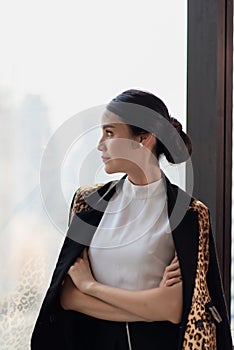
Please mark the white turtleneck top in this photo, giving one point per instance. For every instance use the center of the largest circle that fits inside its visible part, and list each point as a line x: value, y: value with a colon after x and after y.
x: 133, y: 242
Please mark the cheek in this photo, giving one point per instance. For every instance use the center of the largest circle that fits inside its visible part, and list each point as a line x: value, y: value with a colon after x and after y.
x: 119, y: 148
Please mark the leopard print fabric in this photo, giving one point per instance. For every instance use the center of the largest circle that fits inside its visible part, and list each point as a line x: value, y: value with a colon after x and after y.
x: 200, y: 333
x: 80, y: 203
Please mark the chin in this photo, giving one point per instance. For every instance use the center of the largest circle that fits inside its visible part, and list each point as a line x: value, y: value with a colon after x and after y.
x: 111, y: 169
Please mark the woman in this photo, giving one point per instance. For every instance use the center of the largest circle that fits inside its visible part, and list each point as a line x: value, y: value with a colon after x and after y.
x: 116, y: 294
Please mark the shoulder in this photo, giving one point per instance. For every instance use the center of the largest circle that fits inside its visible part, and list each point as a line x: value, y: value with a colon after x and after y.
x: 202, y: 212
x: 199, y: 206
x: 79, y: 202
x: 87, y: 190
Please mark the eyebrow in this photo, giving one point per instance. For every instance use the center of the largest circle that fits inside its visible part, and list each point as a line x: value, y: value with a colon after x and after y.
x: 108, y: 126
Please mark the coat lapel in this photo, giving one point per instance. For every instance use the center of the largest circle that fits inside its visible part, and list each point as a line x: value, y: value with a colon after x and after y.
x: 185, y: 235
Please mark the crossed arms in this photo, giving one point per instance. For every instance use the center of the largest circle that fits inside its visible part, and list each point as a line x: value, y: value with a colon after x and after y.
x: 81, y: 292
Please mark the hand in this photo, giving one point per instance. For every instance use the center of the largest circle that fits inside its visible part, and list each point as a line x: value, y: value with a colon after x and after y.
x: 81, y: 274
x: 172, y: 274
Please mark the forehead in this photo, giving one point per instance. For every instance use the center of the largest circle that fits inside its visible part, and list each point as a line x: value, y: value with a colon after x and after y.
x: 110, y: 118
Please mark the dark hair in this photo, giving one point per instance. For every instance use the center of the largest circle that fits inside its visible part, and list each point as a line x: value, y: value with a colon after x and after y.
x: 144, y: 113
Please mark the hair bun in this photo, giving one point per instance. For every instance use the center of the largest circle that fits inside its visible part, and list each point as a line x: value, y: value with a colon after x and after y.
x: 181, y: 143
x: 177, y: 125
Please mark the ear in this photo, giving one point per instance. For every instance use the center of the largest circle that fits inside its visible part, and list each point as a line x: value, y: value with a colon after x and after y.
x: 148, y: 140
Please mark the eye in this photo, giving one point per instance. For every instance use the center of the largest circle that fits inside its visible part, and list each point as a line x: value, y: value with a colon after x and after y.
x: 109, y: 133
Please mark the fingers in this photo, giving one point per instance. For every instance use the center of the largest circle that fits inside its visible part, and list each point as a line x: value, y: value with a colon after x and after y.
x: 85, y: 254
x: 78, y: 261
x: 172, y: 281
x: 69, y: 272
x: 172, y: 273
x: 74, y: 266
x: 175, y: 259
x: 174, y: 266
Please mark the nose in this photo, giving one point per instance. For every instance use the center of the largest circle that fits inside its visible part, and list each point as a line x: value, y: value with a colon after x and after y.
x: 101, y: 145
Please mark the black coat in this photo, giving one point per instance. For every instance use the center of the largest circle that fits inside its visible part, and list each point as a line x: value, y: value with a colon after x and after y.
x: 55, y: 325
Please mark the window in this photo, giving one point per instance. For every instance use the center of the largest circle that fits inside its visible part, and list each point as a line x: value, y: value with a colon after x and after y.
x: 57, y: 59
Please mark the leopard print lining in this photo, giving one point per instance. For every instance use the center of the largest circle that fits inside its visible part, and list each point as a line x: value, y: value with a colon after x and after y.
x: 200, y: 333
x: 79, y: 203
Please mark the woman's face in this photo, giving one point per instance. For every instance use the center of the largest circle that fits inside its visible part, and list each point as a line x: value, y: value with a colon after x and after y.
x: 120, y: 149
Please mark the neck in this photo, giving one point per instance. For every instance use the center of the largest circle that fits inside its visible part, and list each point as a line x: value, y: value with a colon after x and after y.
x: 139, y: 177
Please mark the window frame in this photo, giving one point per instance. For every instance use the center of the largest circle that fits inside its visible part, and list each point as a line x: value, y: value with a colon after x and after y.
x: 209, y: 117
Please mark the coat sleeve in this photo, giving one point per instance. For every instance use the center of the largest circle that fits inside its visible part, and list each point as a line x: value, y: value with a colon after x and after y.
x: 224, y: 341
x: 207, y: 325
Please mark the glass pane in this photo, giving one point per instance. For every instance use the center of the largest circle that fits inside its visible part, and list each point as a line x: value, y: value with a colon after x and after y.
x: 57, y: 59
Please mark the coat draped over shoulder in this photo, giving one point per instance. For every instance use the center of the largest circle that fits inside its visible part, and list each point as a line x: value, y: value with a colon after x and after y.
x: 204, y: 323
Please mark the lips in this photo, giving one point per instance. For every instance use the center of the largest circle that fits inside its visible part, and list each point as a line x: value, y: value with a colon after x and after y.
x: 105, y: 159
